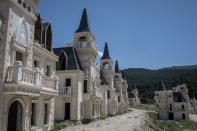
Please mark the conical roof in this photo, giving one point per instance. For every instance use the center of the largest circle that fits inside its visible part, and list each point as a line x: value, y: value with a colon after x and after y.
x: 117, y: 67
x: 161, y: 86
x: 84, y: 25
x: 106, y: 52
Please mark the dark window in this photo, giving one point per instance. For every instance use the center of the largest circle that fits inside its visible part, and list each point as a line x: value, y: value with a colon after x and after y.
x: 118, y: 98
x: 46, y: 113
x: 36, y: 64
x: 183, y: 107
x: 158, y: 116
x: 19, y: 1
x: 38, y: 30
x: 93, y: 110
x: 62, y: 62
x: 33, y: 114
x: 19, y: 56
x: 157, y: 105
x: 29, y: 9
x: 170, y: 107
x: 183, y: 116
x: 68, y: 82
x: 169, y: 95
x: 49, y: 38
x: 24, y: 5
x: 171, y: 116
x: 108, y: 94
x: 85, y: 86
x: 48, y: 71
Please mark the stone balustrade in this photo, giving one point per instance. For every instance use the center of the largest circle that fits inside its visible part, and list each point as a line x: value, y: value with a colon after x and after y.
x: 66, y: 91
x: 21, y: 75
x: 85, y: 45
x: 98, y: 93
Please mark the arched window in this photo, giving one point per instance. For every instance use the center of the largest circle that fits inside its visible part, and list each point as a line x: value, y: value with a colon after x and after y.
x: 183, y: 107
x: 49, y: 38
x: 21, y: 34
x: 62, y: 61
x: 38, y: 30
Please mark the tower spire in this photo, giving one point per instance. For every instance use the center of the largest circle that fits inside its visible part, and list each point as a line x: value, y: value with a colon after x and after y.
x: 161, y: 86
x: 106, y: 52
x: 117, y: 67
x: 84, y: 25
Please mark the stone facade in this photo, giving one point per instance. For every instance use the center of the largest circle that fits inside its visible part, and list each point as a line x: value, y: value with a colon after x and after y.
x: 172, y: 104
x: 134, y: 99
x: 87, y: 90
x: 28, y: 83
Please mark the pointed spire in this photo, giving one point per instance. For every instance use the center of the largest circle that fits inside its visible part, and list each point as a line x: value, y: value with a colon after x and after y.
x: 123, y: 76
x: 161, y: 86
x: 84, y: 25
x: 106, y: 52
x: 117, y: 67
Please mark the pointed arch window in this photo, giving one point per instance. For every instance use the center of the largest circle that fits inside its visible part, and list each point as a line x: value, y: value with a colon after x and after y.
x: 38, y: 30
x: 49, y: 38
x: 21, y: 34
x: 62, y: 61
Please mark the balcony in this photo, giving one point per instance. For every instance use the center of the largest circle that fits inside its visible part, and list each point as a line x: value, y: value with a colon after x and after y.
x: 65, y: 91
x: 20, y: 80
x: 98, y: 93
x: 86, y: 46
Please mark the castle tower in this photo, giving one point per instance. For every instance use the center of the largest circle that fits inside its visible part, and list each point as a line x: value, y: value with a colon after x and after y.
x: 118, y: 79
x: 106, y: 64
x: 84, y: 43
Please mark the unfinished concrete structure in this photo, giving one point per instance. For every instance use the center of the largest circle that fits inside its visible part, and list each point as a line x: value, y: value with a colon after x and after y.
x: 172, y: 104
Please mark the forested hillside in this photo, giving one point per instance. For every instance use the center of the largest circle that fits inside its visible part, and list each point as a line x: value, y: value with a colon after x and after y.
x: 147, y: 80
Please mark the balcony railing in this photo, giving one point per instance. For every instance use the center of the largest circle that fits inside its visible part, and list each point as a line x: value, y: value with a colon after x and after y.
x: 21, y: 75
x: 66, y: 91
x: 85, y: 45
x: 98, y: 93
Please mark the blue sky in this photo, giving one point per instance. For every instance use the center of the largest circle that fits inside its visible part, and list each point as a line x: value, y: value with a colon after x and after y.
x: 140, y: 33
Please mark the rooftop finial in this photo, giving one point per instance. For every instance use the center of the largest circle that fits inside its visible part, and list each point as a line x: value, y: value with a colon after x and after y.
x: 106, y: 52
x: 84, y: 25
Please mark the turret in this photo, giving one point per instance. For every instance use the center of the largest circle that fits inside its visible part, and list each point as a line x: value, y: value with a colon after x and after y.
x: 106, y: 61
x: 84, y: 40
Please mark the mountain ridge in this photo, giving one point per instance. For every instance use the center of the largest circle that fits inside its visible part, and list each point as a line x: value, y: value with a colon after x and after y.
x: 147, y: 79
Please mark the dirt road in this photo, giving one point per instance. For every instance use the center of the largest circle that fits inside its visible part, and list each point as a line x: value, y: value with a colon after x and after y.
x: 132, y: 121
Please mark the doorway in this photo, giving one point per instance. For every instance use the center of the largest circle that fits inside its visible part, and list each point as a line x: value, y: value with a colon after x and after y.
x: 15, y: 117
x: 67, y: 111
x: 171, y: 116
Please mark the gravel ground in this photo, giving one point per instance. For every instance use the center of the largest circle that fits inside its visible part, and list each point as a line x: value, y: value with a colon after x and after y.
x: 132, y: 121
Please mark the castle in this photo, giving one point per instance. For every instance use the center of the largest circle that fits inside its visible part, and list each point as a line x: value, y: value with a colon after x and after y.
x: 172, y: 104
x: 39, y: 84
x: 88, y: 90
x: 134, y: 99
